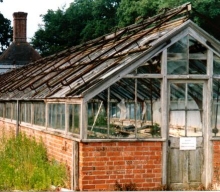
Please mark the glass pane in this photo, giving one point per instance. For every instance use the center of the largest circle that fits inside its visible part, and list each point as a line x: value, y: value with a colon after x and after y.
x: 14, y: 110
x: 177, y: 59
x: 195, y: 96
x: 216, y: 65
x: 8, y: 110
x: 177, y: 109
x: 194, y: 109
x: 122, y: 109
x: 216, y: 108
x: 74, y: 118
x: 97, y: 120
x: 197, y: 66
x: 186, y: 113
x: 2, y: 106
x: 197, y: 57
x: 28, y: 113
x: 152, y: 66
x: 194, y: 123
x: 177, y: 67
x: 22, y: 112
x: 177, y: 96
x: 148, y: 119
x: 128, y: 117
x: 25, y: 112
x: 97, y: 116
x: 39, y: 113
x: 56, y: 116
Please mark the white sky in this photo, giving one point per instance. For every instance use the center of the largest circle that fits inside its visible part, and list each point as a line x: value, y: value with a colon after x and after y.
x: 34, y: 8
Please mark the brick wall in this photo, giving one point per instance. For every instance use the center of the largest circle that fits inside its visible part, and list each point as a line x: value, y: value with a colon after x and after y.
x: 216, y: 162
x: 102, y: 164
x: 58, y: 148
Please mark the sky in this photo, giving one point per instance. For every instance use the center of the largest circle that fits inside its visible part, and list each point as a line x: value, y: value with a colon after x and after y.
x: 34, y: 8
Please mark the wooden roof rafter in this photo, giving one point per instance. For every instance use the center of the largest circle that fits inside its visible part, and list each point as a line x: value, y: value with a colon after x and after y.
x: 76, y: 71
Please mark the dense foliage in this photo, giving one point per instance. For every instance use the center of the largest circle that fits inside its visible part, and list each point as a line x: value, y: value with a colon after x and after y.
x: 84, y: 20
x: 5, y: 33
x: 24, y: 166
x: 131, y: 11
x: 205, y: 13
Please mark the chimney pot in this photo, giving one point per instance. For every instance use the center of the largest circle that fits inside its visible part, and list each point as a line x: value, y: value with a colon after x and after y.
x: 20, y: 27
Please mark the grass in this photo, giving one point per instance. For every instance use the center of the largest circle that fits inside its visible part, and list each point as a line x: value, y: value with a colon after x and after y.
x: 24, y: 166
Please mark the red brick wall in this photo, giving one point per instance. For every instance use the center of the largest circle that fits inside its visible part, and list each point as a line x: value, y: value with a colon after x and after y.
x: 102, y: 164
x: 58, y: 148
x: 216, y: 162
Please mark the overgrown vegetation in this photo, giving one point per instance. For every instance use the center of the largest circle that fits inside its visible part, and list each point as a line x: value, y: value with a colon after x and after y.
x: 24, y: 166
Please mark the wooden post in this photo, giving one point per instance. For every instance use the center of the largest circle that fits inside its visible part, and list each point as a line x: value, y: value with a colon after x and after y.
x: 75, y: 182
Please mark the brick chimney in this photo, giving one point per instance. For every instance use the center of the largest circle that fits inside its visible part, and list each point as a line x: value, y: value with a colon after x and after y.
x: 19, y: 29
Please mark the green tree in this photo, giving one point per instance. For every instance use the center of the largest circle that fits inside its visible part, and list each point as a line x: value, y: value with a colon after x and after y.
x: 78, y: 15
x: 5, y: 33
x: 103, y: 19
x: 130, y: 11
x: 205, y: 13
x: 82, y: 21
x: 87, y: 19
x: 50, y: 38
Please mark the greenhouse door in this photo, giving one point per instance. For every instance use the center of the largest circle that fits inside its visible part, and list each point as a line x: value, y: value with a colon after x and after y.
x: 185, y: 144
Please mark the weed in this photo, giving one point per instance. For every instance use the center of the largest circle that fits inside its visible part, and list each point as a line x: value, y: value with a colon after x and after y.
x: 24, y: 166
x: 126, y: 187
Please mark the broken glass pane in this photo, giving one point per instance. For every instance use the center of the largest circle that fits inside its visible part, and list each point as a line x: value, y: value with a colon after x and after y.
x: 134, y: 110
x: 97, y: 119
x: 148, y: 119
x: 122, y: 109
x: 152, y: 66
x: 98, y: 116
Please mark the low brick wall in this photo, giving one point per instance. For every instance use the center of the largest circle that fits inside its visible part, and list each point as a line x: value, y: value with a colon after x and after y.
x: 101, y: 164
x: 104, y: 163
x: 216, y: 162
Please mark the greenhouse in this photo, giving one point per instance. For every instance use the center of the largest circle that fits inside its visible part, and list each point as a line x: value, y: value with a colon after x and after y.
x: 156, y: 82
